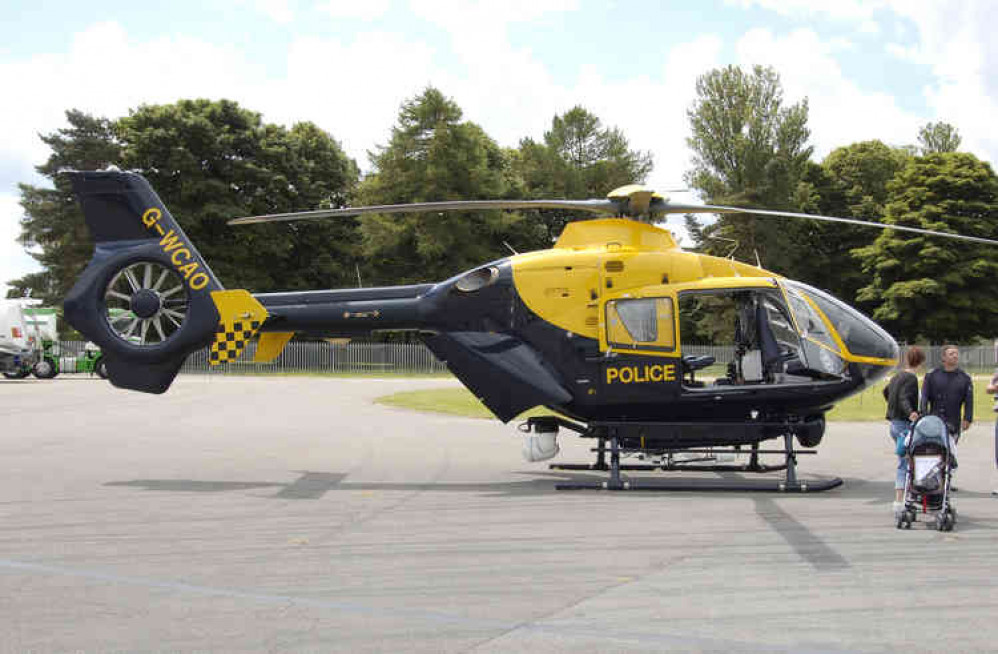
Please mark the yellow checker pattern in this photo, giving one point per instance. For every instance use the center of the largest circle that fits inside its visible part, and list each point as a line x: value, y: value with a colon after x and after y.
x: 231, y: 339
x: 240, y: 317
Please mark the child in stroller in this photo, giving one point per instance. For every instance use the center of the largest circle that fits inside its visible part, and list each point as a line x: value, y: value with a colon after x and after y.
x: 931, y: 456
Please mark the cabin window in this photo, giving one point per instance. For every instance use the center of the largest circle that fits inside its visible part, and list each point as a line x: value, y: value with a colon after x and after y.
x: 747, y: 336
x: 646, y: 323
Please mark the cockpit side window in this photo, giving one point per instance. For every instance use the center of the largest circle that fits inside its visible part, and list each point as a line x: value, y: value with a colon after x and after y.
x: 645, y: 323
x: 808, y: 320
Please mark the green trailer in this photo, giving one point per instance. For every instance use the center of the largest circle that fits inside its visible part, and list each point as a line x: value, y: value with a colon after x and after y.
x: 89, y: 360
x: 41, y: 323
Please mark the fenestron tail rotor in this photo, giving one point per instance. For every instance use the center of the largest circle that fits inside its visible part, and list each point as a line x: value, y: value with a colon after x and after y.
x: 145, y: 303
x: 632, y: 201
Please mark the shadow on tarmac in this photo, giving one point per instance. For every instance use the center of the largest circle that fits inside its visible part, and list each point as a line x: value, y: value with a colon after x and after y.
x: 313, y: 485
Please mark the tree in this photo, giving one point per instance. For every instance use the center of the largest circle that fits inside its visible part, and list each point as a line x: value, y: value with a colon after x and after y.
x: 36, y: 284
x: 598, y: 159
x: 851, y: 182
x: 433, y: 156
x: 578, y: 159
x: 938, y: 137
x: 213, y: 160
x: 52, y: 219
x: 748, y: 150
x: 208, y: 161
x: 930, y: 287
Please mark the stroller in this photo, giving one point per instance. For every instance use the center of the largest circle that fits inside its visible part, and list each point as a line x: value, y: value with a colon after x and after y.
x: 931, y: 456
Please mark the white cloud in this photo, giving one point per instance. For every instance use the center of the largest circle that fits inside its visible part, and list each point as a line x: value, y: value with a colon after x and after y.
x: 870, y: 27
x: 956, y: 41
x: 861, y: 11
x: 105, y: 73
x: 277, y: 10
x: 14, y: 260
x: 840, y: 112
x: 505, y: 89
x: 953, y: 41
x: 352, y: 9
x: 462, y: 16
x: 351, y: 89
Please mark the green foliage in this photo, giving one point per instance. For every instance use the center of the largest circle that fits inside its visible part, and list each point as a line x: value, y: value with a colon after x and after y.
x: 213, y: 160
x: 578, y: 159
x: 434, y: 156
x: 748, y: 150
x: 938, y: 137
x: 928, y: 287
x: 595, y: 159
x: 851, y: 182
x: 208, y: 161
x: 37, y: 284
x: 53, y: 221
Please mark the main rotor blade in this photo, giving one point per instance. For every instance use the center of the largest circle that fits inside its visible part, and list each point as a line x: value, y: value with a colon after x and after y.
x: 700, y: 208
x: 611, y: 207
x: 593, y: 206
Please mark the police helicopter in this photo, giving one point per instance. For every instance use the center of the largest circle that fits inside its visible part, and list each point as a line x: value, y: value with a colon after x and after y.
x: 590, y: 328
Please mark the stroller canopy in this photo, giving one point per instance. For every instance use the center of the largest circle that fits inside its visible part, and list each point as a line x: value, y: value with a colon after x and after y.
x: 929, y: 430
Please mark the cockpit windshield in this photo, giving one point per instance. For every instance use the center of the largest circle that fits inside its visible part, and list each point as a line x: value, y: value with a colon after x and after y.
x: 851, y: 330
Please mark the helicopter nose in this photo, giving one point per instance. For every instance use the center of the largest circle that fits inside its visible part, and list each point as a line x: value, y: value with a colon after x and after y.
x: 866, y: 345
x: 873, y: 350
x: 863, y: 338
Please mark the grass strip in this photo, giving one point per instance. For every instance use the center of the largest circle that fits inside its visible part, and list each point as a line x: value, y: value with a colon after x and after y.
x: 868, y: 406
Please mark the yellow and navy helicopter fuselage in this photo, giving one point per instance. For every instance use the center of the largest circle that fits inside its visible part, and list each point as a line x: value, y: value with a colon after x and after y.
x: 591, y: 328
x: 545, y: 328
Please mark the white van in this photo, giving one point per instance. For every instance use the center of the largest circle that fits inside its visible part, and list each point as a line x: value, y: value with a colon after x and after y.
x: 19, y: 346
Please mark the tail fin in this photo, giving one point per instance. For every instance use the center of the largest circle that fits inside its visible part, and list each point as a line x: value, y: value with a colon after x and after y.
x: 147, y: 298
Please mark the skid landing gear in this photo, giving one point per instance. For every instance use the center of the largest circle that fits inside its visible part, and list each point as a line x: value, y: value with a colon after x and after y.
x: 790, y: 483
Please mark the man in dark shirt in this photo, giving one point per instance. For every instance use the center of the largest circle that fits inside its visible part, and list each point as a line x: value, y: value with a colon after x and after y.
x: 948, y: 392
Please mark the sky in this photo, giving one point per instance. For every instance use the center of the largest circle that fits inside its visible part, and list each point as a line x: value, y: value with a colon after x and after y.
x: 867, y: 68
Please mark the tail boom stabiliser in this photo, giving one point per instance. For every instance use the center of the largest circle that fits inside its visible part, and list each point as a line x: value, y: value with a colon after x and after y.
x: 148, y: 298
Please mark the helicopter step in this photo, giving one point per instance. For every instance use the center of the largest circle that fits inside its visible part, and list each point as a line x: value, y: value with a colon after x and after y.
x: 703, y: 460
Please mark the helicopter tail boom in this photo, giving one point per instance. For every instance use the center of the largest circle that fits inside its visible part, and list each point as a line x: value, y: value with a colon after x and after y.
x: 147, y: 297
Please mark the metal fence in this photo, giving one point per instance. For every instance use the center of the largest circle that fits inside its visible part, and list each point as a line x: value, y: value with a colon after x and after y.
x: 322, y: 357
x: 416, y: 359
x: 973, y: 358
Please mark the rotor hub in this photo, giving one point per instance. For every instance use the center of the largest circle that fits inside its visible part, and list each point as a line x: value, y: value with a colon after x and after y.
x: 146, y: 303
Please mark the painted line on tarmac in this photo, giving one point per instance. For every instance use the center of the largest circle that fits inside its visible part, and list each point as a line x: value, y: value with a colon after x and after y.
x: 808, y: 546
x: 562, y: 628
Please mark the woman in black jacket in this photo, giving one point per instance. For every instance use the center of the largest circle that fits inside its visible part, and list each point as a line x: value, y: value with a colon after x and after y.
x: 902, y: 410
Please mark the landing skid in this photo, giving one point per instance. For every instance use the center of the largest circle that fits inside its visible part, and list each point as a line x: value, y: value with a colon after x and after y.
x: 790, y: 483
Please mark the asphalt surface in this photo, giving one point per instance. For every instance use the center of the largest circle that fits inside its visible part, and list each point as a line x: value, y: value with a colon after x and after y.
x: 294, y: 515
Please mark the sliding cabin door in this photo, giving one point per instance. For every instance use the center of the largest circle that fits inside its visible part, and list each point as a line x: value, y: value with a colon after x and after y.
x: 641, y: 354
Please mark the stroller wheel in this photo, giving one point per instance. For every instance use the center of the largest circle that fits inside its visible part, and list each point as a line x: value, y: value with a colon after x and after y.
x: 949, y: 519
